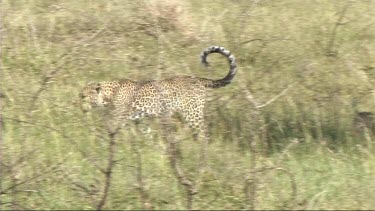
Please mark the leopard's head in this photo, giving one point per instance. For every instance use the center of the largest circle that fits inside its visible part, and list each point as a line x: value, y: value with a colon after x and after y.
x: 92, y: 96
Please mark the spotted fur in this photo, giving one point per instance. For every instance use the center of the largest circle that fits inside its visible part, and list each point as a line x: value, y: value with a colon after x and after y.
x: 182, y: 94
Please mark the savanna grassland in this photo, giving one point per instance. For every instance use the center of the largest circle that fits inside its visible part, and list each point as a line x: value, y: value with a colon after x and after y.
x: 294, y: 130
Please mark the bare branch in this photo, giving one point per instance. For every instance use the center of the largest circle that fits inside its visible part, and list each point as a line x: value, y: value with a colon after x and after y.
x: 190, y: 188
x: 12, y: 187
x: 61, y: 61
x: 292, y: 183
x: 83, y: 153
x: 144, y: 197
x: 173, y: 155
x: 339, y: 22
x: 1, y: 95
x: 109, y: 169
x: 277, y: 96
x: 250, y: 188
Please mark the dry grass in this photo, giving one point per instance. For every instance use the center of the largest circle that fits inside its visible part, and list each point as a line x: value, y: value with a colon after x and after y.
x: 284, y: 135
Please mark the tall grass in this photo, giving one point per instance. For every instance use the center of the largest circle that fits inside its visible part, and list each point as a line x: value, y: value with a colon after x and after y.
x: 293, y: 131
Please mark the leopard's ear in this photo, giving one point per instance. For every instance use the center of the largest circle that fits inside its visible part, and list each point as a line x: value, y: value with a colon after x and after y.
x: 97, y: 87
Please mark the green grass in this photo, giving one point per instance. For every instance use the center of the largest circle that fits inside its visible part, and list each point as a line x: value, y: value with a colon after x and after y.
x: 308, y: 152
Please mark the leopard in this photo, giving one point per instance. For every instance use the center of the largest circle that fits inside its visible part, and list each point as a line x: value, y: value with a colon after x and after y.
x: 183, y: 94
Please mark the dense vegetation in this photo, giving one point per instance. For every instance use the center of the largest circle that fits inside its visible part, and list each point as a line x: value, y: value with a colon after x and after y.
x: 295, y: 129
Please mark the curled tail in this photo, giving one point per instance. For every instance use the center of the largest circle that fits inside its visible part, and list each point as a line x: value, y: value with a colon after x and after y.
x: 232, y: 66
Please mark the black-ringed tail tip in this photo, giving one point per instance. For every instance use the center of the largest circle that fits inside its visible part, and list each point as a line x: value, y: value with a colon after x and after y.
x: 231, y: 59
